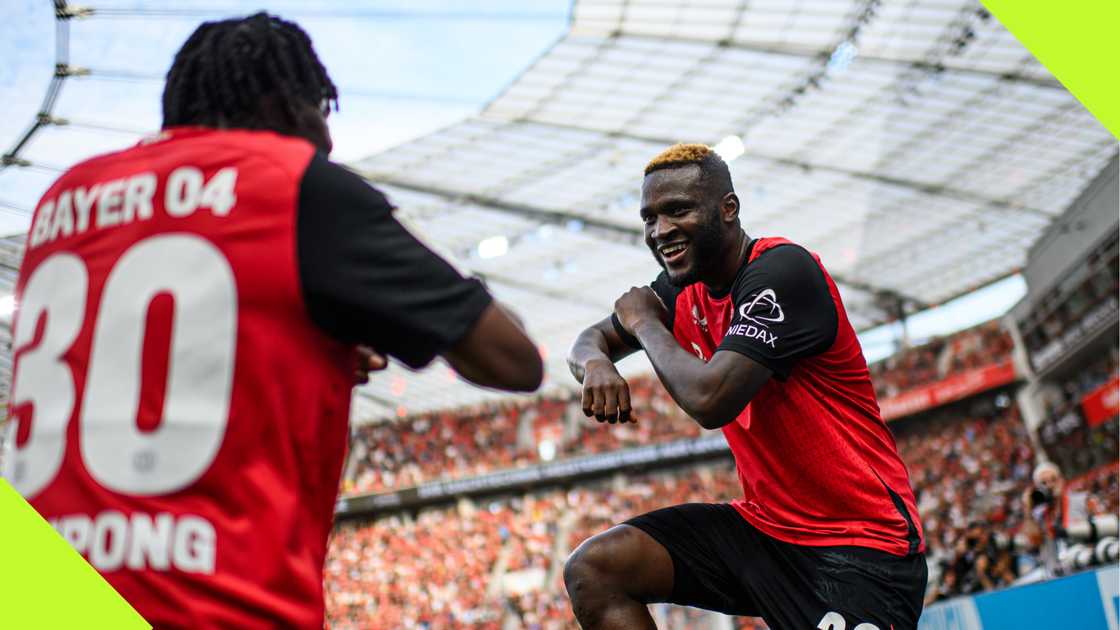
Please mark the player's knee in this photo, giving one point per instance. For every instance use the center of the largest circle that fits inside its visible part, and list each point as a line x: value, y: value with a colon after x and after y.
x: 602, y: 562
x: 588, y: 578
x: 578, y: 573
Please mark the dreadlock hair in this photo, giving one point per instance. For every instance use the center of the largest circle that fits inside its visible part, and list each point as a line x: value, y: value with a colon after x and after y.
x: 714, y: 174
x: 226, y: 70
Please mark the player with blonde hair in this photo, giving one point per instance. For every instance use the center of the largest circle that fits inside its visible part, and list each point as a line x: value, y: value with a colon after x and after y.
x: 750, y: 336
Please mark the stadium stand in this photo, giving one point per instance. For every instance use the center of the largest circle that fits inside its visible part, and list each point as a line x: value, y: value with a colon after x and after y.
x: 986, y: 344
x: 969, y: 464
x: 495, y: 562
x: 1076, y: 436
x: 459, y: 443
x: 480, y: 564
x: 1000, y: 183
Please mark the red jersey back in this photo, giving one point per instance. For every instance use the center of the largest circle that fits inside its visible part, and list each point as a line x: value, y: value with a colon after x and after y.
x: 817, y: 464
x: 179, y: 419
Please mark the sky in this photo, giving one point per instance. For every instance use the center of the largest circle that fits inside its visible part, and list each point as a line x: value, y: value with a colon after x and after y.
x: 403, y: 68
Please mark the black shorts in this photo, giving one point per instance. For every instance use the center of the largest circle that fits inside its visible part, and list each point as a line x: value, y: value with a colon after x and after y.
x: 722, y: 563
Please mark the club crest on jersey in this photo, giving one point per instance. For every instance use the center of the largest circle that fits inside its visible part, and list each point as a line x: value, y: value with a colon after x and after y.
x: 763, y: 309
x: 700, y: 320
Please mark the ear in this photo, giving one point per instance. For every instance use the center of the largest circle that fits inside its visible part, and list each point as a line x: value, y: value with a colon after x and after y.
x: 312, y: 125
x: 729, y: 208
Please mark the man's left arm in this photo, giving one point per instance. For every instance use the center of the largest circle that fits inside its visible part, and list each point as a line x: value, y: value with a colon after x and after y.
x: 784, y: 312
x: 711, y: 393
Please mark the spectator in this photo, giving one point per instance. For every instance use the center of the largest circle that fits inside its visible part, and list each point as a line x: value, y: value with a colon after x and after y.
x: 1052, y: 510
x: 971, y: 465
x: 459, y: 443
x: 983, y: 345
x: 1070, y: 440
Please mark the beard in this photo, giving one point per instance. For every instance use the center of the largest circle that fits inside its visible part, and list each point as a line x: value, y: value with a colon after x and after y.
x: 706, y: 244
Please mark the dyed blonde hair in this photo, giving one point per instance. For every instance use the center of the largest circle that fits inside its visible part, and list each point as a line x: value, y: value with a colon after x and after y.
x: 679, y: 155
x: 713, y: 170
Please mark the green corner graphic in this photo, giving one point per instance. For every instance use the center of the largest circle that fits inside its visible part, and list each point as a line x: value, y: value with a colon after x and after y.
x: 1079, y: 43
x: 45, y: 584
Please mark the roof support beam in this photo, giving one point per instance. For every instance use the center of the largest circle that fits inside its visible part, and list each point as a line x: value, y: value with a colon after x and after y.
x: 542, y: 291
x: 374, y: 398
x: 810, y: 53
x: 627, y: 234
x: 930, y: 189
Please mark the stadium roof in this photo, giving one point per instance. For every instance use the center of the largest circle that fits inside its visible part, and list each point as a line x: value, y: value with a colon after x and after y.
x: 917, y: 146
x: 914, y: 144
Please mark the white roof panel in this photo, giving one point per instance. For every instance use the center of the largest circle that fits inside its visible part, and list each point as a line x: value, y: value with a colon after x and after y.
x: 916, y: 146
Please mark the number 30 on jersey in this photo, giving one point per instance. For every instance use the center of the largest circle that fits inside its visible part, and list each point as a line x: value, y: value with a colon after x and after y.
x: 114, y: 450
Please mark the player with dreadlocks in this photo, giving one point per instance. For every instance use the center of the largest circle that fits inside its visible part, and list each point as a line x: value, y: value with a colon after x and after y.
x: 189, y: 316
x: 256, y: 73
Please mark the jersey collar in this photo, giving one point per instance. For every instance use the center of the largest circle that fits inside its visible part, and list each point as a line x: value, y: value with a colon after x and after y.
x: 746, y: 259
x: 173, y: 133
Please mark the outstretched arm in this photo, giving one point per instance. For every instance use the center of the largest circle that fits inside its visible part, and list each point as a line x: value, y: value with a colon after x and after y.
x: 496, y: 352
x: 366, y: 279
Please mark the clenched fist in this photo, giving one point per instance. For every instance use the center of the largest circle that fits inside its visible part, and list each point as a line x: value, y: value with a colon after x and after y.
x: 637, y: 305
x: 606, y: 395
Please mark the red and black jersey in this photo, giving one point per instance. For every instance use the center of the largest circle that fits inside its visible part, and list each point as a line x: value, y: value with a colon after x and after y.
x: 817, y: 464
x: 188, y: 310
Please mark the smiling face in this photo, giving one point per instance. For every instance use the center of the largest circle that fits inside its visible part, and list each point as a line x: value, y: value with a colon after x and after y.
x: 683, y: 223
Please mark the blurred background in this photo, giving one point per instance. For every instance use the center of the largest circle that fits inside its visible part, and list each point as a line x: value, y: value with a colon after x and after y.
x: 965, y: 202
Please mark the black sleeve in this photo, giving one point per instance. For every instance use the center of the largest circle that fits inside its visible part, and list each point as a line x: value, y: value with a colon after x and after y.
x: 783, y: 310
x: 668, y: 294
x: 366, y: 279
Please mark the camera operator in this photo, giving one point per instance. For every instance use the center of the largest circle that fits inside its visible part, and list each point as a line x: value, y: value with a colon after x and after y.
x: 1050, y: 511
x: 976, y: 559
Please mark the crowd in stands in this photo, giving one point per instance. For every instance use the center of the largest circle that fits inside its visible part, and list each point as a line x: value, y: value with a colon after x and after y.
x: 497, y: 563
x: 1064, y: 308
x: 904, y: 370
x: 982, y: 345
x: 445, y: 444
x: 462, y: 443
x: 450, y: 567
x: 969, y: 465
x: 1070, y: 439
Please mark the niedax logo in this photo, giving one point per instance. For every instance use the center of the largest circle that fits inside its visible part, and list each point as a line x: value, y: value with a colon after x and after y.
x: 763, y: 309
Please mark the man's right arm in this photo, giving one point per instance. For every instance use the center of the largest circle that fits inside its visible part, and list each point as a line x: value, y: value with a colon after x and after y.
x: 497, y: 353
x: 606, y: 394
x: 598, y: 342
x: 368, y: 280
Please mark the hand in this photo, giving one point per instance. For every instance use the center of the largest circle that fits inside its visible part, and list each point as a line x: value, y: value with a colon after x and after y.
x: 368, y: 360
x: 605, y: 393
x: 639, y: 305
